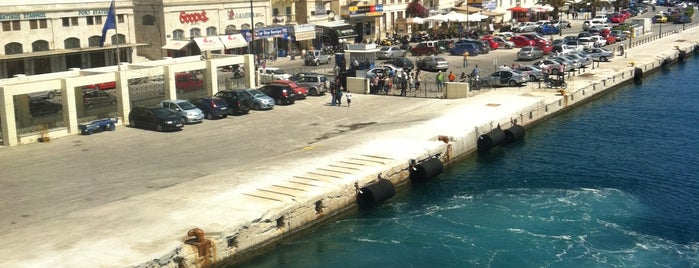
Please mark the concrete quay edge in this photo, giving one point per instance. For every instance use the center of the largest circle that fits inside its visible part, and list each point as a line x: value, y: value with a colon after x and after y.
x: 150, y: 230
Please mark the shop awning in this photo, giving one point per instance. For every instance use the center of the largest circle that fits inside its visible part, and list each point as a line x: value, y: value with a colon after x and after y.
x: 209, y: 43
x: 233, y: 41
x: 305, y: 35
x: 176, y: 44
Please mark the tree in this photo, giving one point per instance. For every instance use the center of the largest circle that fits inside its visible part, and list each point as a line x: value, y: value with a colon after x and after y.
x: 415, y: 9
x: 556, y: 4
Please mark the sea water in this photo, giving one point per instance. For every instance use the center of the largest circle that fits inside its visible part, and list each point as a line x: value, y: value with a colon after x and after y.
x: 611, y: 183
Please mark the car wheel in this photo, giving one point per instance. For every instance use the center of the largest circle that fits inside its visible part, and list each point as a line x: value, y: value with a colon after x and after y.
x: 159, y: 128
x: 112, y: 127
x: 278, y: 101
x: 314, y: 92
x: 512, y: 83
x: 224, y: 116
x: 51, y: 95
x: 209, y: 116
x: 564, y: 85
x: 532, y: 78
x: 603, y: 58
x: 257, y: 106
x: 317, y: 63
x: 184, y: 120
x: 133, y: 123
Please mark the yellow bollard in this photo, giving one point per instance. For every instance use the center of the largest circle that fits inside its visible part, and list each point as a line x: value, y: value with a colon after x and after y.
x: 562, y: 91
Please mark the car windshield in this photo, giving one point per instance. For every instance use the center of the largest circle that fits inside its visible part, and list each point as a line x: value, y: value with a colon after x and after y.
x: 384, y: 49
x: 187, y: 105
x: 256, y: 93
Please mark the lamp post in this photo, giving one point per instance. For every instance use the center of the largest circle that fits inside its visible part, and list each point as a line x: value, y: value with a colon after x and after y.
x: 252, y: 29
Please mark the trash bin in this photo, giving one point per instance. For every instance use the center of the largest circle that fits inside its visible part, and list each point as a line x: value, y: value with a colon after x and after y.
x: 281, y: 53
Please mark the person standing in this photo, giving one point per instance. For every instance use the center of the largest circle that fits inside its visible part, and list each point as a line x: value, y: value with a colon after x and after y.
x: 404, y: 84
x: 439, y: 80
x: 338, y: 96
x: 411, y: 81
x: 452, y: 76
x: 418, y: 78
x: 465, y: 59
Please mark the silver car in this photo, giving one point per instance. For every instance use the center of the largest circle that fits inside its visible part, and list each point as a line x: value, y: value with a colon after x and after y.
x: 534, y: 73
x: 391, y: 52
x: 600, y: 54
x: 582, y: 57
x: 568, y: 65
x: 505, y: 78
x: 260, y: 101
x: 185, y: 109
x: 433, y: 63
x: 530, y: 53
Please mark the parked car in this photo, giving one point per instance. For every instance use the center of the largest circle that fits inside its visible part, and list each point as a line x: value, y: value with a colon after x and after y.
x: 530, y: 53
x: 48, y: 94
x: 41, y: 106
x: 433, y: 63
x: 599, y: 41
x: 188, y: 82
x: 102, y: 86
x: 94, y: 98
x: 548, y: 29
x: 270, y: 74
x: 459, y: 50
x: 522, y: 41
x: 505, y: 78
x: 384, y: 70
x: 619, y: 35
x: 594, y: 24
x: 316, y: 84
x: 580, y: 61
x: 553, y: 65
x: 617, y: 18
x: 301, y: 92
x: 401, y: 62
x: 680, y: 19
x: 186, y: 110
x: 533, y: 72
x: 586, y: 42
x: 425, y: 48
x: 493, y: 45
x: 316, y: 57
x: 157, y: 118
x: 260, y: 101
x: 501, y: 42
x: 525, y: 27
x: 391, y: 52
x: 239, y: 101
x: 568, y: 65
x: 297, y: 76
x: 600, y: 54
x: 212, y: 107
x: 659, y: 18
x: 561, y: 23
x: 282, y: 94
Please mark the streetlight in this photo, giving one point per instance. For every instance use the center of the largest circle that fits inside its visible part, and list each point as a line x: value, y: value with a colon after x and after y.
x: 252, y: 29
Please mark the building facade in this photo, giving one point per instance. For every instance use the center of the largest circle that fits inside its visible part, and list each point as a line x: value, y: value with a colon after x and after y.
x: 56, y: 35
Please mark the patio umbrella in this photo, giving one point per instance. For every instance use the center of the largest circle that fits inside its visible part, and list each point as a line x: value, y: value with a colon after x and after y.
x: 438, y: 17
x: 518, y: 9
x: 476, y: 17
x: 416, y: 20
x: 457, y: 17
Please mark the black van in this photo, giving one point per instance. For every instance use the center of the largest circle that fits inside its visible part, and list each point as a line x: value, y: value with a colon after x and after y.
x: 282, y: 94
x: 238, y: 101
x: 157, y: 118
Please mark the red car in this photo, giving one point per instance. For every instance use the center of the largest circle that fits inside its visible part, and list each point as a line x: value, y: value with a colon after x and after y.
x: 610, y: 39
x: 102, y: 86
x: 618, y: 18
x: 605, y: 32
x: 493, y: 45
x: 301, y: 92
x: 625, y: 13
x: 547, y: 48
x: 521, y: 41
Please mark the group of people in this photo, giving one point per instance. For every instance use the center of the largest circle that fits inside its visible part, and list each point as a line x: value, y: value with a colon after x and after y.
x: 383, y: 83
x: 336, y: 93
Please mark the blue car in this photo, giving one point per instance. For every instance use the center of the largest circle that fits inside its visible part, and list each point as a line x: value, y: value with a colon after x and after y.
x: 459, y: 50
x: 212, y: 107
x: 548, y: 29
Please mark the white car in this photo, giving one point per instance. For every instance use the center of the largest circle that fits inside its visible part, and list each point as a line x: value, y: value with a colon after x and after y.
x: 599, y: 41
x: 595, y: 24
x: 586, y: 42
x: 384, y: 70
x: 505, y: 35
x: 391, y: 52
x: 270, y: 74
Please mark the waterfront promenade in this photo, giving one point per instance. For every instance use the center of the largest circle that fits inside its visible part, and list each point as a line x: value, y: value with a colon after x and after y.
x: 257, y: 197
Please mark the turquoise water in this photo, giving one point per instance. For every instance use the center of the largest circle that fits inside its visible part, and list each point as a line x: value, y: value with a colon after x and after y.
x: 613, y: 183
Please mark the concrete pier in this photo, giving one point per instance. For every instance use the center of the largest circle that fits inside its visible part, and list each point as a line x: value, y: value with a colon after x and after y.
x: 209, y: 219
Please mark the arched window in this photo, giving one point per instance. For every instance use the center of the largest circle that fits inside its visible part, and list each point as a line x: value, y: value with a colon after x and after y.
x: 178, y: 34
x: 94, y: 41
x: 148, y: 20
x: 230, y: 29
x: 195, y: 32
x: 211, y: 31
x: 122, y: 39
x: 259, y: 25
x: 245, y: 26
x: 40, y: 45
x: 13, y: 48
x: 71, y: 42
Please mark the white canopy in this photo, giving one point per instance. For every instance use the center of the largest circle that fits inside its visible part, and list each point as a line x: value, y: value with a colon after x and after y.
x: 416, y: 20
x: 457, y: 17
x: 438, y: 17
x: 476, y: 17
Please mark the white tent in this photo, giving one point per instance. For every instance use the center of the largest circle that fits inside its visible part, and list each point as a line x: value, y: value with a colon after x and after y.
x: 476, y: 17
x: 416, y: 20
x: 456, y: 17
x: 438, y: 17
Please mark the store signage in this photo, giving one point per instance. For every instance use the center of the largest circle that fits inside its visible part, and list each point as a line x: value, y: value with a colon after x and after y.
x: 365, y: 11
x: 193, y: 17
x: 232, y: 15
x: 18, y: 16
x: 282, y: 32
x: 86, y: 12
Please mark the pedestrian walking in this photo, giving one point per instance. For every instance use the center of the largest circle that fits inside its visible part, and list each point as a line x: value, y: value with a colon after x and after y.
x: 452, y: 76
x: 404, y: 85
x: 418, y: 78
x: 411, y: 82
x: 348, y: 95
x: 338, y: 97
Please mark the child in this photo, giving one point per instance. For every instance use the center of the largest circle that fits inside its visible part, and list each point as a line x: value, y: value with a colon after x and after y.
x: 349, y: 98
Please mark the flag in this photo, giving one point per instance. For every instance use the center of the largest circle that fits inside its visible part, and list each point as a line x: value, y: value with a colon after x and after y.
x: 110, y: 23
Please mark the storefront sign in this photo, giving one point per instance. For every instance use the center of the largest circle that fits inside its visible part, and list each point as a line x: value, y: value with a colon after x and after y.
x: 281, y: 32
x: 365, y: 11
x: 232, y: 15
x: 18, y: 16
x: 86, y: 12
x: 193, y: 17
